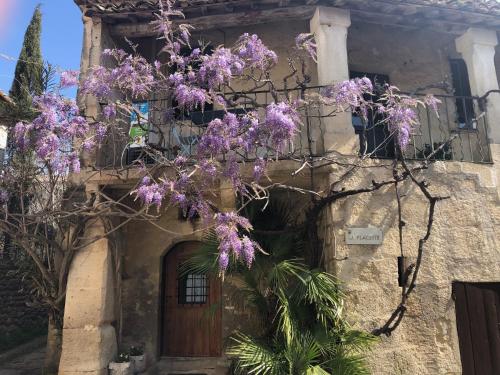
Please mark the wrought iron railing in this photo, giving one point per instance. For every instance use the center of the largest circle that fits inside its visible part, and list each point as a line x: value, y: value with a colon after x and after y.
x: 175, y: 132
x: 456, y: 131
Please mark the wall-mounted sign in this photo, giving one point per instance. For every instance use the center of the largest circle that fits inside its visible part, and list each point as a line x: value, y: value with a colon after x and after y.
x: 3, y: 136
x: 364, y: 236
x: 138, y: 125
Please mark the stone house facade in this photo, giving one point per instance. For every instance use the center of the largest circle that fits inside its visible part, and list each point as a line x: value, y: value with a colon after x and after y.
x: 118, y: 288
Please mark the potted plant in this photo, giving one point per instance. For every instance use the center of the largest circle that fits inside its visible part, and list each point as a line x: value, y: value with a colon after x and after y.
x: 138, y: 359
x: 121, y: 365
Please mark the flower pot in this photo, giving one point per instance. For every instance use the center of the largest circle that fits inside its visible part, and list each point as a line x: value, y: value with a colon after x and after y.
x: 124, y: 368
x: 139, y: 363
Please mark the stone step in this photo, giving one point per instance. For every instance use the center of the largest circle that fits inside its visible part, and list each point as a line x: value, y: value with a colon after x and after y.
x: 192, y: 366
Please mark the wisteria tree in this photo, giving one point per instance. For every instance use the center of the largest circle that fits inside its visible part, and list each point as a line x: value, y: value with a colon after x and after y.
x: 46, y: 175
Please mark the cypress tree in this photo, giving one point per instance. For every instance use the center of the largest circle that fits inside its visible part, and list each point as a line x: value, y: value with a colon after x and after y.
x: 28, y: 80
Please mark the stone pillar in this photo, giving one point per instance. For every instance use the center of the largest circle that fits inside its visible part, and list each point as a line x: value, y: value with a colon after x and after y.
x: 329, y: 25
x: 92, y: 47
x: 477, y: 47
x: 89, y: 339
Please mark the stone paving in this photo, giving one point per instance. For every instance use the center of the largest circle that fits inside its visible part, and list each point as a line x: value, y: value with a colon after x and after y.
x: 30, y: 363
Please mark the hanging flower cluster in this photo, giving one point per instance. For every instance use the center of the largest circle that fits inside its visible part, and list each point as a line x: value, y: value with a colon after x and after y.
x: 305, y: 41
x: 150, y: 193
x: 69, y: 78
x: 228, y: 226
x: 52, y: 134
x: 220, y: 67
x: 349, y: 93
x: 255, y: 54
x: 132, y: 75
x: 400, y: 113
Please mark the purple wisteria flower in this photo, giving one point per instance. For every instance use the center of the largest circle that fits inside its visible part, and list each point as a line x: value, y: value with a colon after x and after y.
x: 281, y: 124
x: 400, y: 113
x: 401, y: 121
x: 252, y: 50
x: 348, y: 93
x: 52, y: 134
x: 69, y: 78
x: 433, y: 102
x: 305, y: 41
x: 109, y: 111
x: 219, y: 136
x: 209, y: 169
x: 132, y: 74
x: 218, y: 68
x: 232, y: 171
x: 227, y: 229
x: 190, y: 97
x: 21, y: 135
x: 100, y: 132
x: 259, y: 168
x: 98, y: 83
x: 176, y: 79
x: 150, y: 192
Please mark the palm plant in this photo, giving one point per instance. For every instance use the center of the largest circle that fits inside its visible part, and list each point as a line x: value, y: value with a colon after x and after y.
x: 299, y: 308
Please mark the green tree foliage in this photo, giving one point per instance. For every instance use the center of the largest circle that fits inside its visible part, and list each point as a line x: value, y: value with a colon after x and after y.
x: 299, y: 309
x: 28, y: 76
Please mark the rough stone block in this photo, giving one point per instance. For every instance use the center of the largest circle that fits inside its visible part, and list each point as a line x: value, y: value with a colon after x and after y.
x: 90, y: 292
x: 88, y: 350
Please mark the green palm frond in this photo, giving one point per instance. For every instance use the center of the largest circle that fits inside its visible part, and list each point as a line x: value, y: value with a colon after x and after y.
x: 321, y: 290
x: 347, y: 365
x: 354, y: 341
x: 286, y: 322
x: 316, y: 370
x: 282, y: 273
x: 251, y: 293
x: 274, y: 215
x: 255, y: 357
x: 205, y: 260
x: 303, y: 354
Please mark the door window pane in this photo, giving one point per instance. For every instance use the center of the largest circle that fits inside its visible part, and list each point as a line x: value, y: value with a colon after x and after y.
x: 193, y: 288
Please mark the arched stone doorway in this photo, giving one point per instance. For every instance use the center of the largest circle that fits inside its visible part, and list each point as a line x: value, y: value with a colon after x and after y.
x: 191, y: 305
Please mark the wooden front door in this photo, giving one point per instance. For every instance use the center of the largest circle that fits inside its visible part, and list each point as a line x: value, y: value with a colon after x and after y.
x: 192, y: 308
x: 477, y: 308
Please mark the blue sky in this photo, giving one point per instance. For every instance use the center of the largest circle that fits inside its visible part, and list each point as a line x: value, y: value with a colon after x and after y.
x: 62, y: 32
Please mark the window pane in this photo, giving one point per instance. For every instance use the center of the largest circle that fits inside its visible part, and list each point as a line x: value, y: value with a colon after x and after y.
x: 193, y: 288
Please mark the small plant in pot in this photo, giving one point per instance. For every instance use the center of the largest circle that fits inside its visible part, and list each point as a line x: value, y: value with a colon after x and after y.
x: 121, y: 365
x: 138, y: 359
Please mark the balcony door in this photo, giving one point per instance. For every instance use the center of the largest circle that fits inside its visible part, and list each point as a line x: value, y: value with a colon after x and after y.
x: 374, y: 137
x: 191, y: 308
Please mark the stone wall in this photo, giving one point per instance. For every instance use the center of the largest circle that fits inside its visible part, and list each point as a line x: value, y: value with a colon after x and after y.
x: 464, y: 246
x: 20, y: 320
